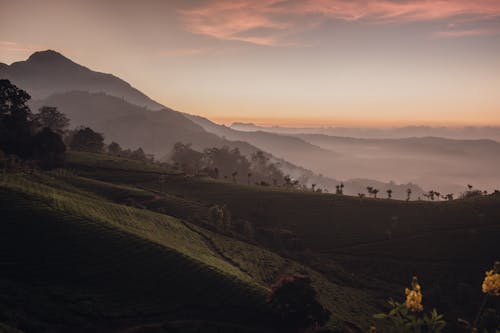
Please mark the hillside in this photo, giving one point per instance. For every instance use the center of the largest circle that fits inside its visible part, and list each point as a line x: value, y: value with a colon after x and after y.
x: 115, y: 255
x: 381, y: 242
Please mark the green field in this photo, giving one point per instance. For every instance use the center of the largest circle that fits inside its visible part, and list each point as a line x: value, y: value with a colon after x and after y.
x: 104, y: 245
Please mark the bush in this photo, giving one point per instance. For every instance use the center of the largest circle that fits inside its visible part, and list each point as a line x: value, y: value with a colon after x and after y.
x: 295, y: 304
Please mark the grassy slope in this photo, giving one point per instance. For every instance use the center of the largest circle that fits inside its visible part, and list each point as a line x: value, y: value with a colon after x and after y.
x: 120, y: 265
x: 425, y: 239
x: 108, y: 261
x: 448, y: 245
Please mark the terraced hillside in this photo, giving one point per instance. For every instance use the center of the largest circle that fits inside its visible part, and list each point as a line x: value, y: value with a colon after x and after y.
x: 115, y: 245
x: 382, y: 242
x: 80, y: 254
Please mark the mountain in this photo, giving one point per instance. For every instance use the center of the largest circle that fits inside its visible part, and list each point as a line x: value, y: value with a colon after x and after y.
x: 290, y: 148
x: 328, y: 167
x: 130, y: 125
x: 459, y: 133
x: 49, y: 72
x: 433, y: 162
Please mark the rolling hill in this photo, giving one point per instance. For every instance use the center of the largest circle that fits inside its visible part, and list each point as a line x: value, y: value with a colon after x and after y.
x: 110, y: 256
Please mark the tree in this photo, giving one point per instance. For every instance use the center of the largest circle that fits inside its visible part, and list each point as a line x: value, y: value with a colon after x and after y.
x: 85, y: 139
x: 339, y: 189
x: 263, y: 168
x: 408, y: 194
x: 16, y: 125
x: 114, y: 148
x: 369, y: 189
x: 49, y: 149
x: 389, y: 193
x: 138, y: 154
x: 375, y: 192
x: 295, y: 304
x: 190, y: 160
x: 52, y: 118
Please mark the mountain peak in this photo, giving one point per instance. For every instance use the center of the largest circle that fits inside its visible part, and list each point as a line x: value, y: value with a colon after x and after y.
x: 48, y: 56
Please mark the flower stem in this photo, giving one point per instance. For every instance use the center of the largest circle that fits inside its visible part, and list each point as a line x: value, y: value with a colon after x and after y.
x: 477, y: 321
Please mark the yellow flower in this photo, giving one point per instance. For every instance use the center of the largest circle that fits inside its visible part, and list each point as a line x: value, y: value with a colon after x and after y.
x: 414, y: 296
x: 491, y: 283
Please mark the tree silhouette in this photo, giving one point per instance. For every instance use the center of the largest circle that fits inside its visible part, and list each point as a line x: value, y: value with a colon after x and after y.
x: 340, y: 189
x: 85, y: 139
x: 114, y: 148
x: 294, y: 301
x: 408, y: 194
x: 138, y: 154
x: 49, y: 149
x: 375, y: 191
x: 16, y: 125
x: 52, y: 118
x: 370, y: 190
x: 190, y: 160
x: 389, y: 193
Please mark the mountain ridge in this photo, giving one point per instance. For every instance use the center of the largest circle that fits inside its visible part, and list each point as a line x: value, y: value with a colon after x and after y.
x: 48, y: 72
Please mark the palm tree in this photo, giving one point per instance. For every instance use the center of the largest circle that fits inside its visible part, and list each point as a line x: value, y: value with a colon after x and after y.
x: 340, y: 189
x: 431, y: 194
x: 389, y: 193
x: 375, y: 191
x: 408, y: 194
x: 370, y: 190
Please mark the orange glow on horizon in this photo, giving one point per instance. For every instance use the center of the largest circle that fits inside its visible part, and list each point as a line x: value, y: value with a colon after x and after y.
x: 329, y: 122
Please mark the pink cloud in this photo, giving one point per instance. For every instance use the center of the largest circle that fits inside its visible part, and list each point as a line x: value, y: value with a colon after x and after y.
x: 465, y: 33
x: 268, y: 22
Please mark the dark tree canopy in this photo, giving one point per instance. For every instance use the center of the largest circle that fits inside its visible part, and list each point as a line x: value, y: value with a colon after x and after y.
x: 16, y: 127
x: 49, y: 149
x: 190, y: 160
x: 85, y: 139
x: 227, y: 163
x: 295, y: 303
x: 52, y: 118
x: 114, y: 148
x: 13, y: 101
x: 26, y: 135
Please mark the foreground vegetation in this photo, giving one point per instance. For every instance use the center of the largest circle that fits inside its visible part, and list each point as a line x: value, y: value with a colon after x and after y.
x: 132, y: 243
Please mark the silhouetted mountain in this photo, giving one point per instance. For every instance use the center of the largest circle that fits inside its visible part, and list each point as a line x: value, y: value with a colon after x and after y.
x: 459, y: 133
x: 130, y: 125
x: 290, y: 148
x: 49, y: 72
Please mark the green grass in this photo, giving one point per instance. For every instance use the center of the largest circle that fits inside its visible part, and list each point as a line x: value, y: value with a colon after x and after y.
x: 126, y: 261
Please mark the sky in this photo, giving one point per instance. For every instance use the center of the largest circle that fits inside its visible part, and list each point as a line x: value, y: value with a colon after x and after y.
x: 282, y: 62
